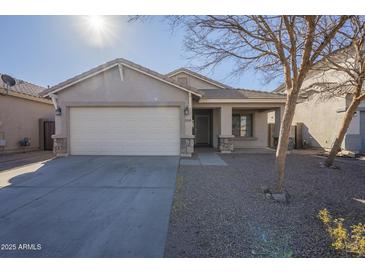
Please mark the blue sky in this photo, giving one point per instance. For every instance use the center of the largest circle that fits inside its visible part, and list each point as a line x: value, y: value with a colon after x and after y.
x: 46, y: 50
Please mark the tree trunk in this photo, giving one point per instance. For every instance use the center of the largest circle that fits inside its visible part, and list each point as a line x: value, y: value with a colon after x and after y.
x: 343, y: 129
x: 284, y: 138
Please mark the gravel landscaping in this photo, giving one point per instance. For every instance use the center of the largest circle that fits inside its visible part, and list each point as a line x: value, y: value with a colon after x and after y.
x: 221, y: 211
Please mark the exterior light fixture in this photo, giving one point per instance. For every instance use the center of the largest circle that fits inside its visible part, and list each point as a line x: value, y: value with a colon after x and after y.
x: 186, y: 111
x: 58, y: 111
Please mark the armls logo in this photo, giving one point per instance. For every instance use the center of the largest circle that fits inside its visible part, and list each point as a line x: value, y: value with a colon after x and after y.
x: 34, y: 247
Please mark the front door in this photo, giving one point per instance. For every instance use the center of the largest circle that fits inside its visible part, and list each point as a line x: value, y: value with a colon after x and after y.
x: 202, y: 129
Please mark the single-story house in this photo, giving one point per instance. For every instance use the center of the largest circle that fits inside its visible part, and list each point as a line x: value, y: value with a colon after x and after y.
x: 23, y: 118
x: 121, y: 108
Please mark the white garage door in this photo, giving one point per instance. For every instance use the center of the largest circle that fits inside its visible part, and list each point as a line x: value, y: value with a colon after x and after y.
x: 124, y: 131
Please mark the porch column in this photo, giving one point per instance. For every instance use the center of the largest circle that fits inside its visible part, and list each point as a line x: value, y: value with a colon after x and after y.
x: 279, y: 112
x: 189, y: 117
x: 60, y: 146
x: 187, y: 141
x: 225, y: 137
x: 277, y: 122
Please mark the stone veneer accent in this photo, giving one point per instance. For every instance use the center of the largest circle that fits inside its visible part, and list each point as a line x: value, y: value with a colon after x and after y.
x: 59, y: 145
x: 225, y: 144
x: 187, y: 146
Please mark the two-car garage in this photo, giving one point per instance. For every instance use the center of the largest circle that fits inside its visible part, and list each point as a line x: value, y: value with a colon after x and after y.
x: 124, y: 130
x: 121, y: 108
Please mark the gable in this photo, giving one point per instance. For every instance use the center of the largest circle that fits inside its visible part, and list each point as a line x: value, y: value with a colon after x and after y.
x: 193, y: 81
x: 110, y: 86
x: 120, y: 63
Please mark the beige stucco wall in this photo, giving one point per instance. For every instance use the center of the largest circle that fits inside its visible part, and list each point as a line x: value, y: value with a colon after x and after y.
x: 320, y: 119
x: 195, y: 82
x: 322, y: 113
x: 136, y: 89
x: 271, y: 117
x: 19, y: 118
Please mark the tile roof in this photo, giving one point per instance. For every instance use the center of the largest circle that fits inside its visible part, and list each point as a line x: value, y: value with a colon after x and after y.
x: 188, y: 71
x: 220, y: 93
x: 239, y: 94
x: 24, y: 87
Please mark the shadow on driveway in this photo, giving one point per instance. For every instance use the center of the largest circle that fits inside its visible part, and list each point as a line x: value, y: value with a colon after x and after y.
x: 14, y: 160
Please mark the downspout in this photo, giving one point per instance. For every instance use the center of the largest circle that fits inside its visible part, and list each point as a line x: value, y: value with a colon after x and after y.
x: 190, y: 106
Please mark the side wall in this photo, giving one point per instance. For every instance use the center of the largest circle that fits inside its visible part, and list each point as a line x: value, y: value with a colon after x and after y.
x: 19, y: 118
x: 322, y: 113
x: 321, y: 119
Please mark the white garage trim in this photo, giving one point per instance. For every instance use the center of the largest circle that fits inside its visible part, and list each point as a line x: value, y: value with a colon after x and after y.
x: 124, y: 130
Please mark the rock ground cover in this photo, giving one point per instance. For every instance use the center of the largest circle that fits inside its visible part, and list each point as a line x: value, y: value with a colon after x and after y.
x: 221, y: 211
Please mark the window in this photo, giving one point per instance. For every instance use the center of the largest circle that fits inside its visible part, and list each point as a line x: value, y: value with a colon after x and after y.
x: 242, y: 125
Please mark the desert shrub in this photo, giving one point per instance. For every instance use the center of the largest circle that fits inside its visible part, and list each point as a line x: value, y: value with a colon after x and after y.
x: 350, y: 241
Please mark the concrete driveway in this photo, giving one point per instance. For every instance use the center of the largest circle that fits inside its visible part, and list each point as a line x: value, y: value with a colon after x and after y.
x: 87, y: 206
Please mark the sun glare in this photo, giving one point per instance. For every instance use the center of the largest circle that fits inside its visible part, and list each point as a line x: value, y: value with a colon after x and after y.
x: 96, y: 22
x: 99, y: 30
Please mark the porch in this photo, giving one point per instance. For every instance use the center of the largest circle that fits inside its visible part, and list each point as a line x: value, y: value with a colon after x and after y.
x: 233, y: 127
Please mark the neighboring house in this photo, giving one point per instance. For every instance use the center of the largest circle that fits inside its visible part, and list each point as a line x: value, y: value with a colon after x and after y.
x: 22, y: 111
x: 320, y: 114
x: 121, y: 108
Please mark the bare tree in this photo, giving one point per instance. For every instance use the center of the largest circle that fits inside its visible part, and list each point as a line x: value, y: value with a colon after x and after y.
x: 350, y: 62
x: 285, y: 46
